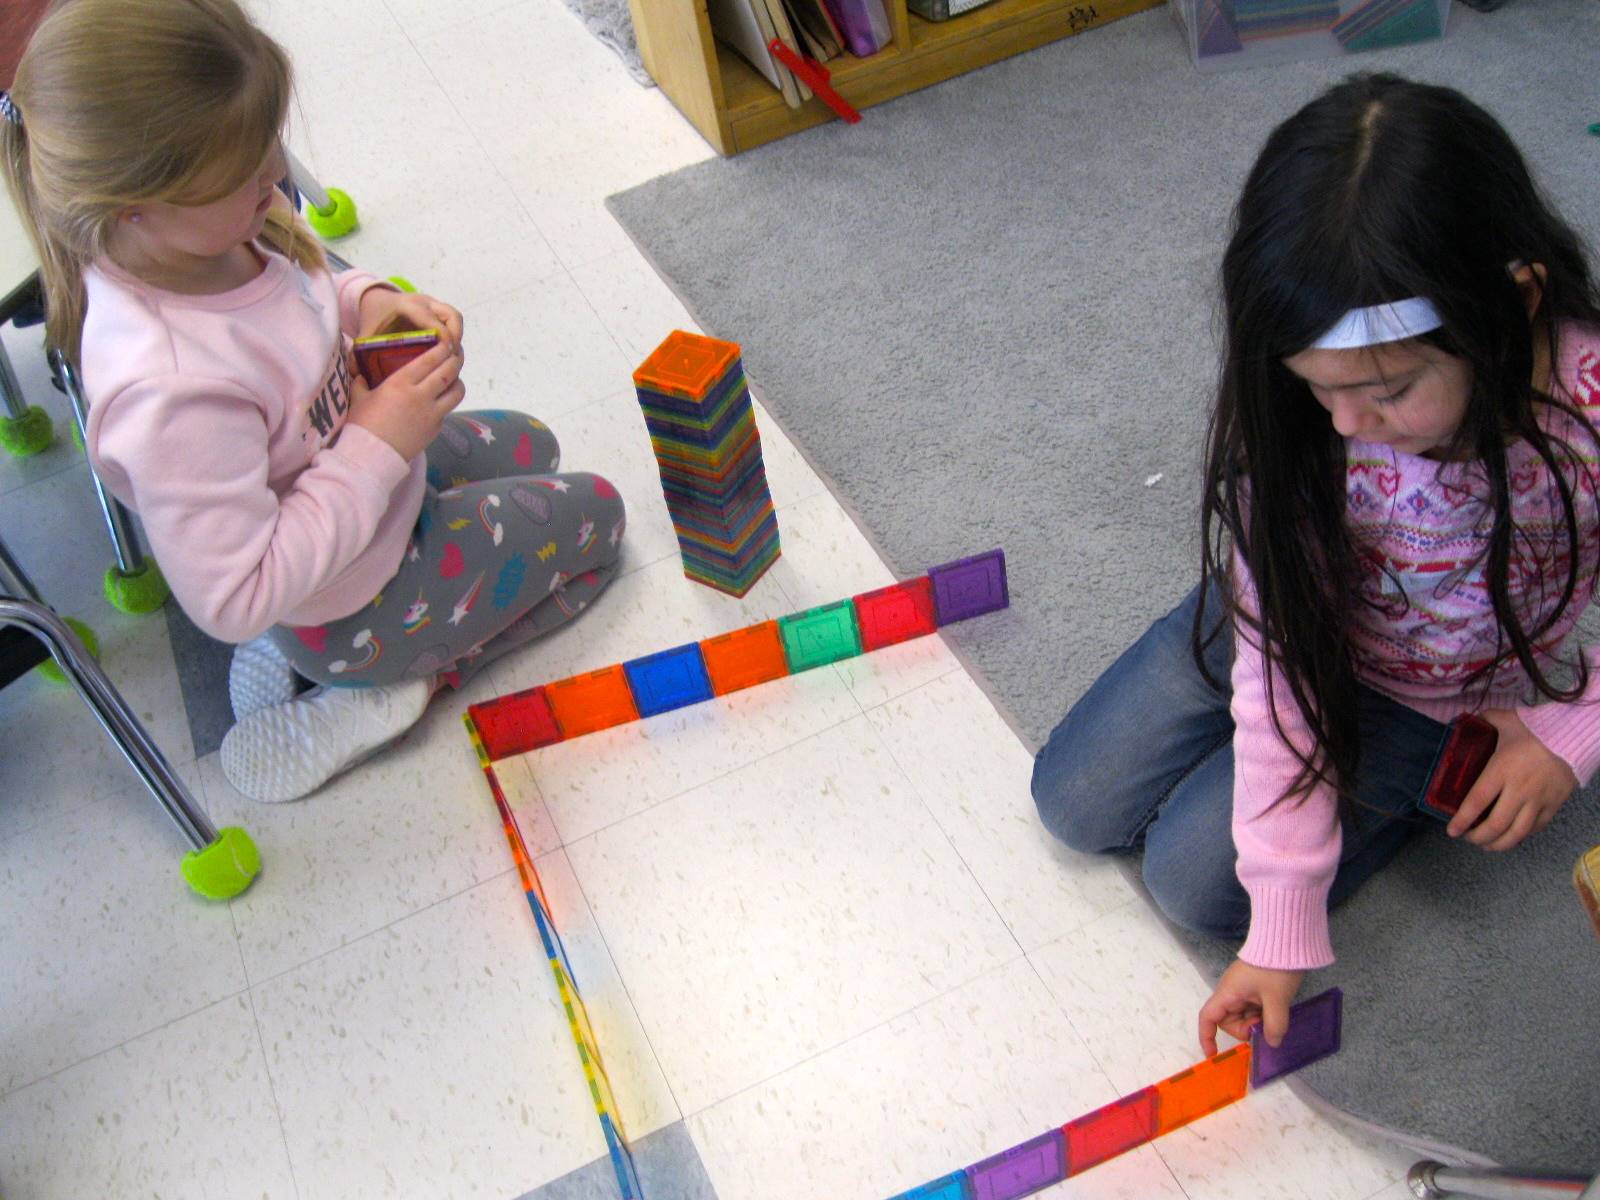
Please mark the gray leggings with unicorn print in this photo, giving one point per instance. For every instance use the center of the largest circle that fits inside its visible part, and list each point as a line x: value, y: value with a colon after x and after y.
x: 504, y: 550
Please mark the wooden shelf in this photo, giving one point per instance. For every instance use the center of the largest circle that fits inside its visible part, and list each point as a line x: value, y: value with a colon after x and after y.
x: 736, y: 109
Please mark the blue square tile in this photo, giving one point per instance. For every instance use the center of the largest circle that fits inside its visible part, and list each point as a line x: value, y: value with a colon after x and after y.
x: 668, y: 680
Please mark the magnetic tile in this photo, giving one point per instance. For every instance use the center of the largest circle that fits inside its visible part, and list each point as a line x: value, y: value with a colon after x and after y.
x: 745, y: 657
x: 103, y: 939
x: 811, y: 891
x: 1202, y: 1089
x: 1111, y: 1130
x: 820, y: 636
x: 1020, y: 1171
x: 688, y: 365
x: 592, y: 701
x: 970, y: 587
x: 433, y: 1057
x: 895, y: 614
x: 648, y: 608
x: 180, y: 1112
x: 516, y: 724
x: 945, y: 1084
x: 403, y: 830
x: 1314, y: 1033
x: 668, y: 679
x: 974, y: 774
x: 951, y: 1187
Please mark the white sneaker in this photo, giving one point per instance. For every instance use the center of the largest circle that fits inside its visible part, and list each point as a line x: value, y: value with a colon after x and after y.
x: 259, y: 676
x: 290, y: 750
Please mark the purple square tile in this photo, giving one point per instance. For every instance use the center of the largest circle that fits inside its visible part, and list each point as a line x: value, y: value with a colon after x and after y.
x: 970, y: 587
x: 1021, y: 1170
x: 1313, y: 1033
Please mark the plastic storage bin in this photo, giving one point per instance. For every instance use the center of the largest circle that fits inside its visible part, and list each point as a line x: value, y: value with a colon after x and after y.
x: 1243, y: 33
x: 864, y: 23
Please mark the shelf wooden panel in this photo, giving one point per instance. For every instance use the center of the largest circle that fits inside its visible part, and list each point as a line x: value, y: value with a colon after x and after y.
x: 736, y: 109
x: 993, y: 19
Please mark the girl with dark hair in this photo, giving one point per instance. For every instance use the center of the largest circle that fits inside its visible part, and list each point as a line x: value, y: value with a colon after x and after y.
x: 1400, y: 525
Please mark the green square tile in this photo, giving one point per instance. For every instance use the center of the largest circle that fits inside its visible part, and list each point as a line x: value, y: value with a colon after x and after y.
x: 820, y: 635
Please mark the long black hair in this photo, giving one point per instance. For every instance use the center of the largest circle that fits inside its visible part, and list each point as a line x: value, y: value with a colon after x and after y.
x: 1378, y: 190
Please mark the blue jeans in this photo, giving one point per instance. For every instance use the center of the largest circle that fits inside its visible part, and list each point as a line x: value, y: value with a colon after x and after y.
x: 1145, y: 760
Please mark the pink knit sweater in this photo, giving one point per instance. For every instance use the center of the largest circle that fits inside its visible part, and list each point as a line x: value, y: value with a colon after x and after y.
x: 1424, y: 524
x: 221, y: 420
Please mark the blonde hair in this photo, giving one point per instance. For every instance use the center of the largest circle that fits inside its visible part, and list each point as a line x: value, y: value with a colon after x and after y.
x: 132, y: 101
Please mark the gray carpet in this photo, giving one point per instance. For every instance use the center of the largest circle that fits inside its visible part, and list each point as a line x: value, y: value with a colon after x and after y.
x: 985, y: 316
x: 612, y: 23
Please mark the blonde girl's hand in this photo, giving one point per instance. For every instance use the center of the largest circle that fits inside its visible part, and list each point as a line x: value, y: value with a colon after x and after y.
x: 408, y: 407
x: 1245, y: 995
x: 1522, y: 787
x: 379, y: 306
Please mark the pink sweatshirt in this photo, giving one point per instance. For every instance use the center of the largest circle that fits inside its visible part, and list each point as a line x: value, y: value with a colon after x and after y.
x: 1428, y: 524
x: 220, y: 420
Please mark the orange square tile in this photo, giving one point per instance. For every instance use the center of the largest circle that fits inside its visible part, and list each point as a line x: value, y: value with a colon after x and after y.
x: 745, y: 657
x: 1202, y: 1089
x: 598, y: 700
x: 686, y: 365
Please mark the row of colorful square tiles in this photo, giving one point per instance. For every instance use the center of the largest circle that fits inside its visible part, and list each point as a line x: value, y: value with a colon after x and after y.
x: 1315, y: 1029
x: 697, y: 671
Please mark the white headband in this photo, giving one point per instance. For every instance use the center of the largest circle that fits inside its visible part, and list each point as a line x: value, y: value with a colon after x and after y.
x: 1391, y: 322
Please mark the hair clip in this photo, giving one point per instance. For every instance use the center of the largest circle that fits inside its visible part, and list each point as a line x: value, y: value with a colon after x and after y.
x: 8, y: 108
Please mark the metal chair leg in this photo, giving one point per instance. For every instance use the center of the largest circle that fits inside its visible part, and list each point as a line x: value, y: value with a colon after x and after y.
x: 1435, y: 1181
x: 12, y: 580
x: 124, y: 542
x: 10, y: 390
x: 114, y: 715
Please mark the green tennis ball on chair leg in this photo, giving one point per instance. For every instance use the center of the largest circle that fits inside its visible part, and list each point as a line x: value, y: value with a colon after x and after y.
x: 27, y: 435
x: 226, y: 867
x: 143, y: 591
x: 338, y: 219
x: 51, y: 670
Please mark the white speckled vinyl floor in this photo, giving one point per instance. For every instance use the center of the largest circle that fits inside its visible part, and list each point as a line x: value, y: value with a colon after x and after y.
x: 819, y: 928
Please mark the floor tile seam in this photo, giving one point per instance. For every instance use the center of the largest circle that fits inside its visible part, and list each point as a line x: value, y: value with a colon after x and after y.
x: 499, y: 294
x: 272, y: 1089
x: 922, y: 799
x: 492, y: 159
x: 276, y: 975
x: 941, y: 994
x: 1105, y: 1074
x: 622, y: 981
x: 570, y: 842
x: 24, y: 484
x: 8, y: 1093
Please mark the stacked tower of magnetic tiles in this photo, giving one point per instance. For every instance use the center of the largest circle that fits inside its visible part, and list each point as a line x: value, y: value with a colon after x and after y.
x: 697, y: 407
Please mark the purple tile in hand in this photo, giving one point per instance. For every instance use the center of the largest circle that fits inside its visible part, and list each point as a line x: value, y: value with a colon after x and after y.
x: 970, y: 587
x: 1313, y: 1034
x: 1021, y: 1170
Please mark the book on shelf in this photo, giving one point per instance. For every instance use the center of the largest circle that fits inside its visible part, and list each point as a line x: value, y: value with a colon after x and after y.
x: 746, y: 26
x: 784, y: 32
x: 816, y: 29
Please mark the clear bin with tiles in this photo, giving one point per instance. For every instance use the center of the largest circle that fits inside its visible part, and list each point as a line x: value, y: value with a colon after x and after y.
x: 1222, y: 34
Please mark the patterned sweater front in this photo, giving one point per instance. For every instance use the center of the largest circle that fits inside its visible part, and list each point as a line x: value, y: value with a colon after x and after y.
x: 1422, y: 528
